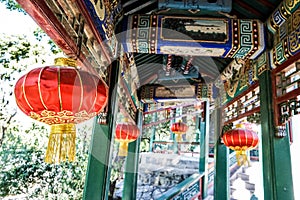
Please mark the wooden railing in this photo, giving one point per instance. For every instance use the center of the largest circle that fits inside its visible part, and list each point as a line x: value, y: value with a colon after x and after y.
x: 188, y: 189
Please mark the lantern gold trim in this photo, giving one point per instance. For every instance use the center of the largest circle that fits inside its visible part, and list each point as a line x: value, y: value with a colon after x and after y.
x: 65, y: 62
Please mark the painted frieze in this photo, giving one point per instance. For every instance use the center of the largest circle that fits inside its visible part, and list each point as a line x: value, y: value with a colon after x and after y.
x: 130, y: 76
x: 261, y: 64
x: 237, y: 77
x: 284, y: 24
x: 286, y: 48
x: 193, y: 36
x: 162, y: 93
x: 281, y: 14
x: 105, y: 14
x: 196, y: 5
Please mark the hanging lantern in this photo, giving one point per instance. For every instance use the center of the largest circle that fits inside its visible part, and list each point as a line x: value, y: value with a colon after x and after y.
x: 240, y: 140
x: 179, y: 128
x: 61, y: 96
x: 126, y: 133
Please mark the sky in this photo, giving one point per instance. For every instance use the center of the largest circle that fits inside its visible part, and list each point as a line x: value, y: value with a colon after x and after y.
x: 14, y: 22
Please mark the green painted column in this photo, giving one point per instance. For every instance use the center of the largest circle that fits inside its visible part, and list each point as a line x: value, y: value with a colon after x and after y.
x: 152, y: 138
x: 276, y: 158
x: 100, y: 153
x: 204, y: 148
x: 132, y: 162
x: 175, y: 144
x: 221, y: 176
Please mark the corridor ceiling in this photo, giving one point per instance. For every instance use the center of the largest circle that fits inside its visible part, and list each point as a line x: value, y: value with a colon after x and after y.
x: 150, y: 65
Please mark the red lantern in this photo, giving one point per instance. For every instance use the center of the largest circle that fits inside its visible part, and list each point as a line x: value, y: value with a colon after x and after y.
x: 179, y: 128
x: 240, y: 140
x: 126, y: 133
x: 61, y: 96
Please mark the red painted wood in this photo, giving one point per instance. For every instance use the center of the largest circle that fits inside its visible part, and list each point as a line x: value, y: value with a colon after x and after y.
x: 46, y: 19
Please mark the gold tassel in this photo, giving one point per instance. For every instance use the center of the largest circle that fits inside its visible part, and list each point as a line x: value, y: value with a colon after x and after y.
x: 242, y: 158
x: 178, y: 137
x: 61, y: 144
x: 123, y: 149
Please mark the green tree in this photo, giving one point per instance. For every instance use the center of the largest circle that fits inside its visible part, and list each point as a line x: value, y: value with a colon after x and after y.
x: 12, y: 5
x: 23, y: 142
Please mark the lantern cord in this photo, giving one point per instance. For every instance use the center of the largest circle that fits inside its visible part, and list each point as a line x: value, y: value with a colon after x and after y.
x: 242, y: 158
x: 123, y: 149
x: 61, y: 144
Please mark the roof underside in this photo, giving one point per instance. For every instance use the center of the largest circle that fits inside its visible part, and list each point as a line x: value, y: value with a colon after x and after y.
x: 208, y: 68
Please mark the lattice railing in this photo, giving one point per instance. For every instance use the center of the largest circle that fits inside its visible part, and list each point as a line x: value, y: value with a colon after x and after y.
x: 286, y: 86
x: 245, y: 105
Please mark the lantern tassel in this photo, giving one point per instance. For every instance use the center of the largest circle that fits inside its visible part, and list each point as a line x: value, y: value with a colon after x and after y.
x: 61, y: 144
x: 123, y: 149
x: 178, y: 138
x: 242, y: 158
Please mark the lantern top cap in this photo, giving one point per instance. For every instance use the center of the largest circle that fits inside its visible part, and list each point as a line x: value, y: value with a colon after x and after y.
x: 240, y: 126
x: 65, y: 62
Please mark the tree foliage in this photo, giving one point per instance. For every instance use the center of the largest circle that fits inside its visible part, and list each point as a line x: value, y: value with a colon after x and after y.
x: 23, y: 142
x: 13, y: 5
x: 23, y: 170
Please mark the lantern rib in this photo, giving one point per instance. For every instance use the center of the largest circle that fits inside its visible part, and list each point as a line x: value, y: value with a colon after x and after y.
x: 246, y: 135
x: 94, y: 103
x: 232, y: 140
x: 127, y: 135
x: 225, y: 140
x: 59, y: 92
x: 81, y: 90
x: 240, y: 137
x: 23, y: 89
x: 252, y: 139
x: 39, y: 88
x: 117, y: 132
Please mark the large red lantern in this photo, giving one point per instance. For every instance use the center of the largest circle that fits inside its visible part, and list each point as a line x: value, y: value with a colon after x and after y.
x: 61, y: 96
x: 240, y: 140
x: 126, y: 133
x: 179, y: 128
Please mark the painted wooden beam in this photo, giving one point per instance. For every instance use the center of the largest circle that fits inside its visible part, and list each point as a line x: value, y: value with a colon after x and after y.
x: 214, y: 6
x: 165, y: 93
x: 192, y: 36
